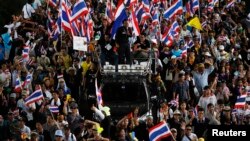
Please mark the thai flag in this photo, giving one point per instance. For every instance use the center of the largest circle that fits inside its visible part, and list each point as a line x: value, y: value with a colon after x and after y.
x: 98, y: 94
x: 230, y: 4
x: 175, y: 27
x: 90, y: 28
x: 175, y: 102
x: 76, y: 29
x: 30, y: 61
x: 195, y: 5
x: 145, y: 4
x: 133, y: 2
x: 25, y: 53
x: 34, y: 97
x: 120, y: 16
x: 189, y: 44
x: 79, y: 9
x: 57, y: 30
x: 52, y: 22
x: 135, y: 24
x: 27, y: 80
x: 241, y: 101
x: 204, y: 24
x: 142, y: 15
x: 167, y: 39
x: 210, y: 6
x: 18, y: 86
x: 109, y: 12
x: 189, y: 7
x: 155, y: 18
x: 53, y: 3
x: 66, y: 16
x: 54, y: 109
x: 174, y: 9
x: 159, y: 132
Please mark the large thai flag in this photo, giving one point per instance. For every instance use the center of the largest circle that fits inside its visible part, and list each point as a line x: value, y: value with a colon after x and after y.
x: 18, y: 85
x: 159, y: 132
x: 66, y: 16
x: 98, y: 94
x: 155, y: 18
x: 58, y: 28
x: 54, y: 109
x: 79, y: 9
x: 120, y: 16
x: 109, y: 12
x: 195, y: 5
x: 135, y: 24
x: 241, y: 101
x: 34, y: 97
x: 146, y: 5
x: 174, y: 9
x: 142, y: 15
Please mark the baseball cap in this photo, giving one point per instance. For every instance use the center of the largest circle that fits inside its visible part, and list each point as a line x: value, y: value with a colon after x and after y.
x: 59, y: 133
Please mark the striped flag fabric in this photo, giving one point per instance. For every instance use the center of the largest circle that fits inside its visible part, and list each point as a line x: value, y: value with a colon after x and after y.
x: 241, y: 101
x: 66, y: 16
x: 25, y: 53
x: 230, y: 4
x: 159, y: 132
x: 195, y: 5
x: 34, y: 97
x: 18, y: 85
x: 135, y: 24
x: 27, y: 80
x: 146, y: 5
x: 98, y: 95
x: 109, y: 12
x: 54, y: 109
x: 79, y: 9
x: 175, y: 8
x: 120, y: 16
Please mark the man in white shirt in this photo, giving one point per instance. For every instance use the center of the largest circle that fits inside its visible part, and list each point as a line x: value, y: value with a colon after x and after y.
x: 36, y: 4
x: 189, y: 136
x: 28, y: 10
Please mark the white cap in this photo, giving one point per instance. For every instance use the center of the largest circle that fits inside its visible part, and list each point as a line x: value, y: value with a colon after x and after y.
x: 207, y: 54
x: 221, y: 47
x: 59, y: 133
x: 173, y: 57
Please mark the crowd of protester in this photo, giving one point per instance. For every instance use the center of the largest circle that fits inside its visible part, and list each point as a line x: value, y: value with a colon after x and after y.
x: 205, y: 82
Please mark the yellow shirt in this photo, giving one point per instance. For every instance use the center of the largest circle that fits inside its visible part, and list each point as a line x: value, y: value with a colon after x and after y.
x: 67, y: 61
x: 85, y: 67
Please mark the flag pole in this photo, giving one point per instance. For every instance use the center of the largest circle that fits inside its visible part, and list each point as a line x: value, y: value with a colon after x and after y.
x: 60, y: 6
